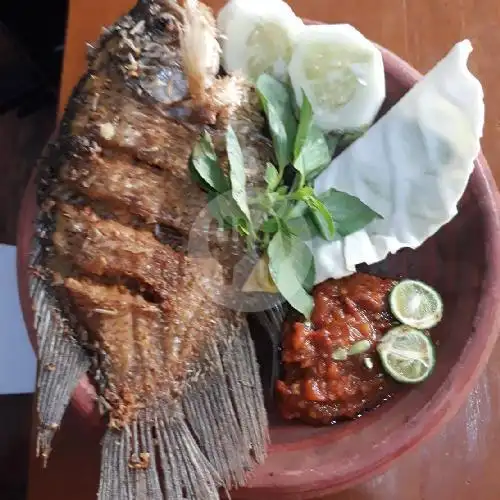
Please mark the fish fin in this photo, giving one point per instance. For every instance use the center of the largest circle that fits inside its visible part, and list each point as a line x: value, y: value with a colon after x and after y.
x: 213, y: 420
x: 226, y: 411
x: 129, y: 470
x: 180, y: 452
x: 210, y: 440
x: 91, y: 50
x: 62, y: 362
x: 243, y: 379
x: 128, y: 464
x: 200, y: 49
x: 271, y: 322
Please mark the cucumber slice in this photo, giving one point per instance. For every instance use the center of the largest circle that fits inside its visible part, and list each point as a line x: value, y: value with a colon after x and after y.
x: 416, y: 304
x: 258, y: 37
x: 407, y: 354
x: 342, y: 74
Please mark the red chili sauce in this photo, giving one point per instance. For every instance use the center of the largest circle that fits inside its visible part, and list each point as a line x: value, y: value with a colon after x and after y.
x: 318, y: 389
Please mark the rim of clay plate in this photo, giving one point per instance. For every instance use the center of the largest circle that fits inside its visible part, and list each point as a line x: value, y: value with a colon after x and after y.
x: 449, y: 397
x: 443, y: 406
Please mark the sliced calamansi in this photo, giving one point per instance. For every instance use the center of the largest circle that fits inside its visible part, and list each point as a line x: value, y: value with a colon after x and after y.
x: 258, y: 37
x: 407, y: 354
x: 416, y: 304
x: 342, y: 74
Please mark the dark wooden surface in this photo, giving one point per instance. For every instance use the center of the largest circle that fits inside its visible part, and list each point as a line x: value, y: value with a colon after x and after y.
x: 21, y: 140
x: 459, y: 463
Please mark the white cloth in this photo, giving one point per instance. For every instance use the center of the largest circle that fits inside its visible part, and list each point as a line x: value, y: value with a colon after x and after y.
x: 17, y: 359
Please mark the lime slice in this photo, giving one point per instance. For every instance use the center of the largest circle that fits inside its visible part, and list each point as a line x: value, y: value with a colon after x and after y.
x: 407, y: 354
x: 258, y: 37
x: 342, y: 74
x: 416, y: 304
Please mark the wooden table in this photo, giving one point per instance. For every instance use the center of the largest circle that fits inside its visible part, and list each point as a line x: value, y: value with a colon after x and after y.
x: 460, y: 462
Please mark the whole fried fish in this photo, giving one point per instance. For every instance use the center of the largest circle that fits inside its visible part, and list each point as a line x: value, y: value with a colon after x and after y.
x: 114, y: 291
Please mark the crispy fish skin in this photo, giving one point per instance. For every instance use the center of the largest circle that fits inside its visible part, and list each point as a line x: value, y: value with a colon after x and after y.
x: 108, y: 248
x: 124, y: 186
x: 142, y: 309
x: 128, y: 150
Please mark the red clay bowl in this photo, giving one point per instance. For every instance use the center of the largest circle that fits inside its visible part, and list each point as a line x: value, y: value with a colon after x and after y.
x: 462, y: 262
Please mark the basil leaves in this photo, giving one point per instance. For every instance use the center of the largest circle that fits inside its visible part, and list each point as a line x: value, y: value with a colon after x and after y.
x: 282, y: 217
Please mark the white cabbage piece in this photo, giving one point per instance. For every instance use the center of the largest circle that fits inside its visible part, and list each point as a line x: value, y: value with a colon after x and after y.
x: 411, y: 167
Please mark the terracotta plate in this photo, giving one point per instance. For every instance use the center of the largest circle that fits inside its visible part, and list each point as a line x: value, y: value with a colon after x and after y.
x: 462, y: 262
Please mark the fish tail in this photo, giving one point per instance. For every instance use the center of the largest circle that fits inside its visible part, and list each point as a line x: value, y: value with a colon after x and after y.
x: 62, y: 361
x: 130, y: 456
x: 208, y: 441
x: 128, y: 469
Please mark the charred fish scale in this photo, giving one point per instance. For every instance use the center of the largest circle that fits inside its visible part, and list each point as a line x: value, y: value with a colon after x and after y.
x: 175, y: 372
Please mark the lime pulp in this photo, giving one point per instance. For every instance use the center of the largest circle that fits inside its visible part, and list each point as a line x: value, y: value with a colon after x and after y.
x: 416, y: 304
x: 407, y: 354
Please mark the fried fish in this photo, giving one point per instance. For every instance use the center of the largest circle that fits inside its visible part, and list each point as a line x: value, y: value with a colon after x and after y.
x: 115, y: 292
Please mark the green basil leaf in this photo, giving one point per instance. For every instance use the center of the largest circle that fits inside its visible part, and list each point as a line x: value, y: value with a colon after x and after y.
x: 303, y: 193
x: 315, y: 155
x: 270, y: 225
x: 303, y: 261
x: 308, y: 282
x: 303, y: 226
x: 305, y: 122
x: 322, y: 217
x: 237, y: 172
x: 290, y: 261
x: 281, y: 208
x: 273, y: 199
x: 204, y: 166
x: 264, y: 203
x: 311, y: 150
x: 198, y: 178
x: 298, y: 210
x: 272, y: 177
x: 279, y: 136
x: 349, y: 213
x: 319, y: 213
x: 243, y: 228
x: 215, y: 210
x: 224, y: 209
x: 277, y: 104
